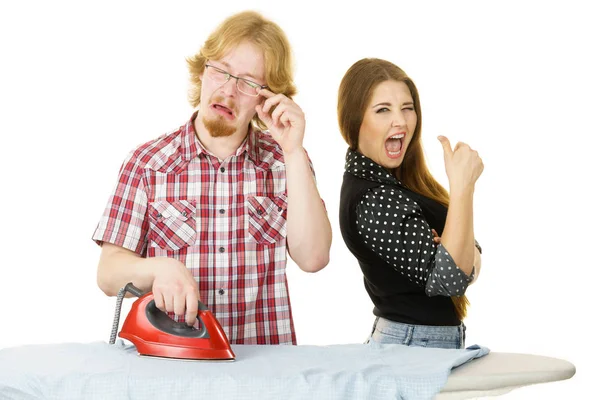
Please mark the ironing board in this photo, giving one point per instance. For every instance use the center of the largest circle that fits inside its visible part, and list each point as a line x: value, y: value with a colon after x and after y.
x: 499, y: 373
x: 100, y: 371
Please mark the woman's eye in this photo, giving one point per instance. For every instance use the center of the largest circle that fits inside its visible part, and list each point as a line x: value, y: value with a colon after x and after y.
x: 382, y: 109
x: 408, y: 109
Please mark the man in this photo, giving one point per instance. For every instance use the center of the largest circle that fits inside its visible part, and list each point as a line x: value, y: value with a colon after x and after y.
x: 207, y: 211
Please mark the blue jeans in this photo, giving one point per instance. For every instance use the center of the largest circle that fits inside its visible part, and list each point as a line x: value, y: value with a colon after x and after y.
x: 443, y: 337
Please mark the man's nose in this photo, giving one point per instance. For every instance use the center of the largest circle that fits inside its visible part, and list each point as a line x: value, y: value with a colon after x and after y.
x: 229, y: 87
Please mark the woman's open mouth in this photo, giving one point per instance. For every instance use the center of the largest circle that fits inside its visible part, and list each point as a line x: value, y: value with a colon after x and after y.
x: 393, y: 145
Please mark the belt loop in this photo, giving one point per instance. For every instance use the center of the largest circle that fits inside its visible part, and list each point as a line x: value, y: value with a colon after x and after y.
x: 374, y: 325
x: 372, y: 331
x: 409, y: 335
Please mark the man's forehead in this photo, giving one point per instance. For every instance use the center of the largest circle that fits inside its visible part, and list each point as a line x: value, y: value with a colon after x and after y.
x: 244, y: 60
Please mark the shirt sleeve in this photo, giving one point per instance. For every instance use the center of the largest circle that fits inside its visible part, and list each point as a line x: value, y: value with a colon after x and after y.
x: 394, y: 227
x: 124, y: 221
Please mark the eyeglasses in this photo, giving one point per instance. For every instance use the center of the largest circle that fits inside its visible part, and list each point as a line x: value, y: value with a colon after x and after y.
x: 244, y: 85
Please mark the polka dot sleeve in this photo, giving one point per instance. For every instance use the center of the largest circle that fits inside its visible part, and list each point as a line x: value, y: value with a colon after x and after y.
x: 394, y: 227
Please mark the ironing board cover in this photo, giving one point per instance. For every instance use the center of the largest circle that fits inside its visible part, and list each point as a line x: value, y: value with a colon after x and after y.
x: 354, y: 371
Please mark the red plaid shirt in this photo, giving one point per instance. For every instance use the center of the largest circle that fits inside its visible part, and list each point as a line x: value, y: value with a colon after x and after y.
x: 225, y: 220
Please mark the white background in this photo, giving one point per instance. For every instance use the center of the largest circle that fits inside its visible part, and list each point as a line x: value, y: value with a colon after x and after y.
x: 82, y: 83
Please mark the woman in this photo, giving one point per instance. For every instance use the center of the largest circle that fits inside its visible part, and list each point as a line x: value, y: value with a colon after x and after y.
x: 391, y: 209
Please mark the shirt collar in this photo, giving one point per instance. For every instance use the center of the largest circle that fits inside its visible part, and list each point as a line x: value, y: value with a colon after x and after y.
x: 188, y: 146
x: 192, y: 147
x: 363, y: 167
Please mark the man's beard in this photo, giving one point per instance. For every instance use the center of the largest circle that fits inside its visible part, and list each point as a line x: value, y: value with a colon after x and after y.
x: 218, y: 127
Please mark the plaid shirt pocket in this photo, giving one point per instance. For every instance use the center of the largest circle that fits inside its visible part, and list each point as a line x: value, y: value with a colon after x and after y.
x: 267, y: 218
x: 172, y: 224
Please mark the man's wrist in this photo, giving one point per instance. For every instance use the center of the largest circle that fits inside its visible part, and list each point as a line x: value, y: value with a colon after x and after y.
x: 293, y: 153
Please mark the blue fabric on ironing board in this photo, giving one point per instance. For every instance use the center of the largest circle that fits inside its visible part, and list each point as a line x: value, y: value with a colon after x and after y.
x: 353, y: 371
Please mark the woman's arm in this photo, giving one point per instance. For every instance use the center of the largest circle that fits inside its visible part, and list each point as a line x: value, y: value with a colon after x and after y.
x: 477, y: 257
x: 463, y: 167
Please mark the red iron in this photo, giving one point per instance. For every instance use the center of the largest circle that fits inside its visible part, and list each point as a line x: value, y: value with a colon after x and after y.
x: 154, y: 333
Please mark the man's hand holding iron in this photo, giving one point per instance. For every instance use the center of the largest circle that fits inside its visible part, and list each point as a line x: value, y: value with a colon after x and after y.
x: 174, y: 288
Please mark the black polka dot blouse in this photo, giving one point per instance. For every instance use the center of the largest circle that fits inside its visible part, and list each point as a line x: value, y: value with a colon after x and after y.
x: 389, y: 230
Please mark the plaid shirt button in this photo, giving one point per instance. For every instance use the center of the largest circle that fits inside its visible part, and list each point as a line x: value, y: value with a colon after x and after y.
x: 221, y: 249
